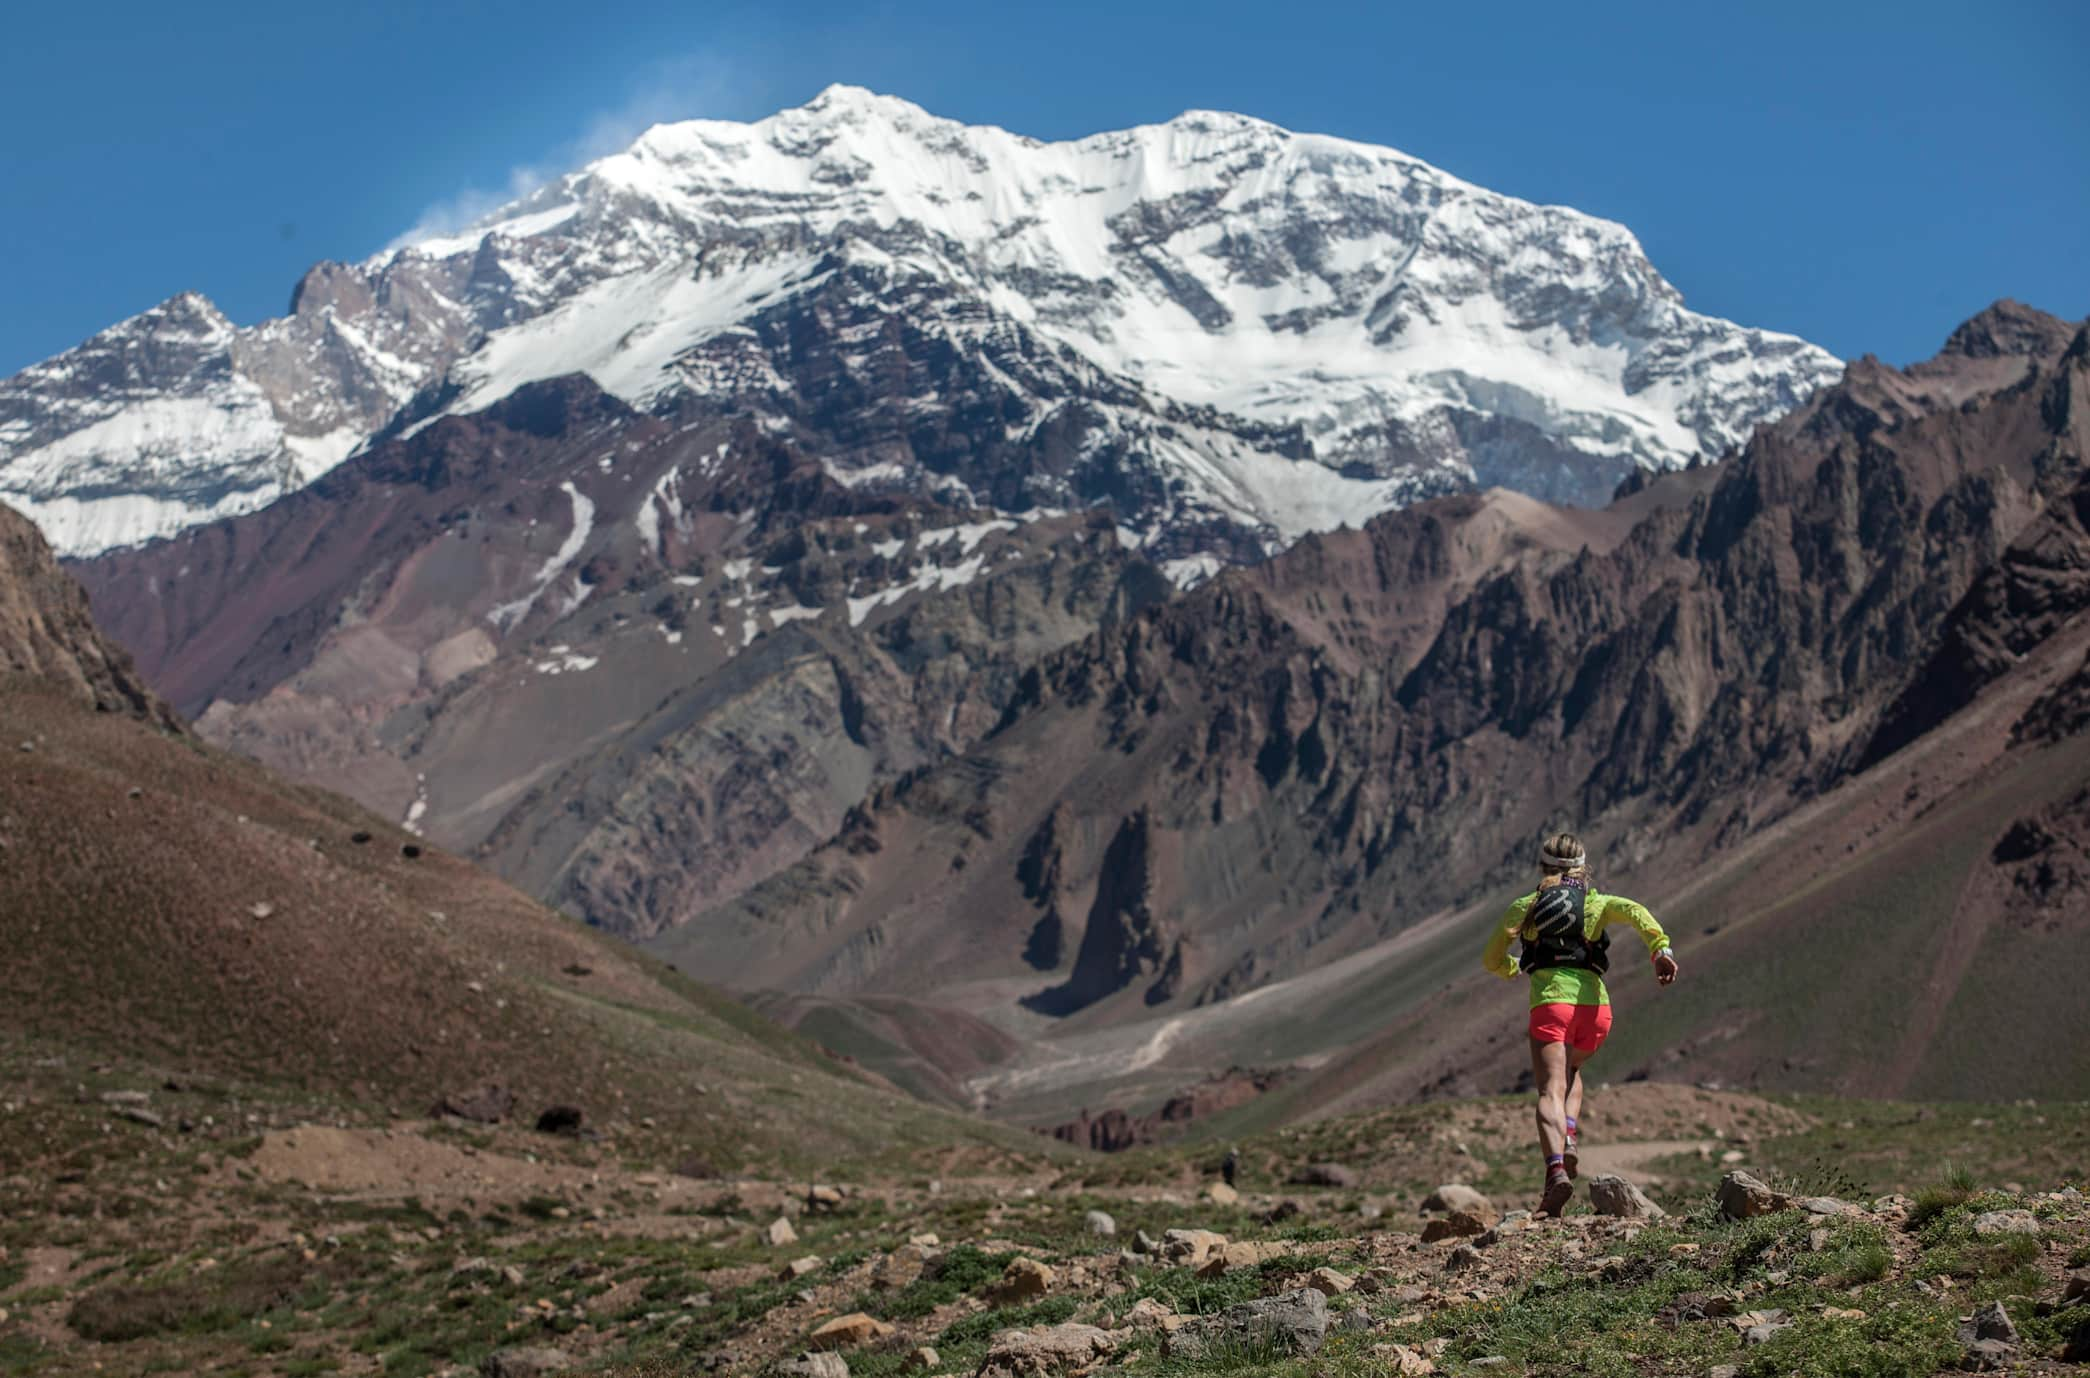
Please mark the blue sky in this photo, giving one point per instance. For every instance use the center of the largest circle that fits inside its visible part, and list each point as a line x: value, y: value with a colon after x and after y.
x: 1864, y: 175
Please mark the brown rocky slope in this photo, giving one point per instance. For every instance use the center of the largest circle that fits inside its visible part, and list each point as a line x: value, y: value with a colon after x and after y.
x: 166, y: 901
x: 633, y: 662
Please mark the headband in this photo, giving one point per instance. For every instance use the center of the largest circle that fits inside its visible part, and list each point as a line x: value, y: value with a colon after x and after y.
x: 1562, y: 863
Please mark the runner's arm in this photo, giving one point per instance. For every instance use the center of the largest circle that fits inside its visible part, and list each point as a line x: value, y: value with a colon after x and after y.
x: 1496, y: 958
x: 1618, y: 909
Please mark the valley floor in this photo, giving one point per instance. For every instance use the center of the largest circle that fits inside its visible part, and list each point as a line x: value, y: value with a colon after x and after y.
x: 161, y: 1225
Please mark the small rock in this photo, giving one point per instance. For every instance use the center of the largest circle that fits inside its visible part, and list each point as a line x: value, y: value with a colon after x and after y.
x: 1329, y: 1282
x: 1823, y: 1205
x: 1761, y: 1334
x: 1100, y: 1223
x: 1220, y: 1194
x: 847, y: 1332
x: 802, y: 1267
x: 1989, y: 1355
x: 525, y: 1361
x: 1281, y: 1212
x: 1733, y: 1155
x: 1743, y: 1196
x: 1324, y: 1175
x: 923, y: 1360
x: 1294, y: 1322
x: 1490, y: 1361
x: 261, y: 909
x: 1144, y: 1243
x: 487, y: 1104
x: 1025, y: 1279
x: 2078, y: 1288
x: 824, y: 1199
x: 1457, y: 1225
x: 815, y: 1365
x: 137, y: 1115
x: 2006, y: 1222
x: 1462, y: 1258
x: 780, y: 1233
x: 1724, y: 1371
x: 512, y: 1275
x: 1610, y: 1195
x: 1145, y: 1314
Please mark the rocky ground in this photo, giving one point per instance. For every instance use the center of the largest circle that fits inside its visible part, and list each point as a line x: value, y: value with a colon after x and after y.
x: 156, y: 1225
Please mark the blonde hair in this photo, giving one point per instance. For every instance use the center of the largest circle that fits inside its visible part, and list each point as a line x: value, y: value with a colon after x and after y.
x: 1563, y: 857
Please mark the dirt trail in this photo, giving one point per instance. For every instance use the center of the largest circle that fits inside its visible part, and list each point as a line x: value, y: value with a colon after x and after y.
x: 1627, y: 1160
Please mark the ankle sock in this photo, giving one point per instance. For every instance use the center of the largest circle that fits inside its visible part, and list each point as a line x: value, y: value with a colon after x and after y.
x: 1556, y: 1166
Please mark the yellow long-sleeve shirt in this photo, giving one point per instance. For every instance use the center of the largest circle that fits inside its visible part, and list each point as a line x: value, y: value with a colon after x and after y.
x: 1569, y: 985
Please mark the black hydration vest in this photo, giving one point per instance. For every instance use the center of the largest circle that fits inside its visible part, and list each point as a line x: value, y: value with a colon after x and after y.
x: 1556, y: 914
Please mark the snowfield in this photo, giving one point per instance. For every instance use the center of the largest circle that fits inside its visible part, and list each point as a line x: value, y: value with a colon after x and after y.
x: 1288, y: 332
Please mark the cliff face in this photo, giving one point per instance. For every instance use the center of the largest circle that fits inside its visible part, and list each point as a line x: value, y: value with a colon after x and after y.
x: 48, y: 633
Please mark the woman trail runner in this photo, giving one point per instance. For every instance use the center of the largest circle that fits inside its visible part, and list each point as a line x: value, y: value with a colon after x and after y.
x: 1565, y: 948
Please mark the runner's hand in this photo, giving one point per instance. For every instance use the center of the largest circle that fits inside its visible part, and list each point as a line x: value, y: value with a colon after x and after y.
x: 1665, y: 969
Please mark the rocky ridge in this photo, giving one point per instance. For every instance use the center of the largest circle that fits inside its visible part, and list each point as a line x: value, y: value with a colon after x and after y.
x: 1395, y: 712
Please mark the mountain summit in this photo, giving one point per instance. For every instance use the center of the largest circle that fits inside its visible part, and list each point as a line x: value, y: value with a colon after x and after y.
x: 1234, y: 333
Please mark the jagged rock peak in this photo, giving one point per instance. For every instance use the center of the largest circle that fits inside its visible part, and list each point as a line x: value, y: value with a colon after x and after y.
x: 2010, y: 328
x: 47, y: 633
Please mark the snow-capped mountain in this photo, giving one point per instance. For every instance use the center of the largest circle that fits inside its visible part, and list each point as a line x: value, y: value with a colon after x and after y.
x: 1235, y: 333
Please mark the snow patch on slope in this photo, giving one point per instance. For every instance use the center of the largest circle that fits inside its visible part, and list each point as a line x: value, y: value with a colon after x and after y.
x: 508, y: 614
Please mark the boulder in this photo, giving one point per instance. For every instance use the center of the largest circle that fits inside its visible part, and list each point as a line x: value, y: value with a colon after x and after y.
x: 1025, y: 1279
x: 525, y: 1361
x: 561, y: 1119
x: 780, y: 1233
x: 1238, y: 1254
x: 1191, y: 1248
x: 1991, y: 1322
x: 487, y: 1104
x: 1100, y: 1223
x: 1609, y: 1195
x: 1457, y: 1196
x: 1220, y: 1194
x: 1993, y: 1223
x: 847, y: 1332
x: 1290, y: 1323
x: 1045, y: 1350
x: 1324, y: 1175
x: 815, y: 1365
x: 1743, y: 1196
